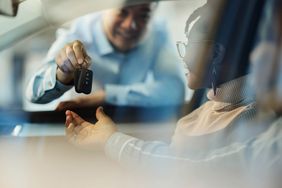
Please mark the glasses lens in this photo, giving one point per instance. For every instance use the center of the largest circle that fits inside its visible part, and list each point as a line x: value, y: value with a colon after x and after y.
x: 181, y: 49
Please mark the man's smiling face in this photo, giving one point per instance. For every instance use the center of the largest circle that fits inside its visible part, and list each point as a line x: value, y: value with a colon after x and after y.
x: 125, y: 27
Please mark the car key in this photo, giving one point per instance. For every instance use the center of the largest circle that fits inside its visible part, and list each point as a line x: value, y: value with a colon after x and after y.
x: 83, y: 80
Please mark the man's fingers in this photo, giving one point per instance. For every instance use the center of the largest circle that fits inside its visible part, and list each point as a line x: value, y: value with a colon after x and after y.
x: 87, y: 61
x: 64, y: 63
x: 78, y: 51
x: 81, y: 55
x: 84, y: 52
x: 71, y: 56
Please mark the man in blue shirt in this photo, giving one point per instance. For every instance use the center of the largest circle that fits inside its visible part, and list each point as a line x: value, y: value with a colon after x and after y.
x: 133, y: 62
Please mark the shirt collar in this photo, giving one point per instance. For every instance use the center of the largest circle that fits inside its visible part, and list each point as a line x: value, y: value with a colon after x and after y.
x: 232, y: 94
x: 103, y: 44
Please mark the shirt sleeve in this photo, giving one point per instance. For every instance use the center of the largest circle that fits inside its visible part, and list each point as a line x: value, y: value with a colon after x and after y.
x: 131, y: 151
x: 44, y: 87
x: 155, y: 155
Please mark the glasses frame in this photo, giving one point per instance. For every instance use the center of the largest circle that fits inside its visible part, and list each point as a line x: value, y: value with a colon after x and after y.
x: 180, y: 45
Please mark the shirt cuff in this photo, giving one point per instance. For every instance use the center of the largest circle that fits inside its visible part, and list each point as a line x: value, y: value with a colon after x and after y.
x: 62, y: 87
x: 116, y: 94
x: 50, y: 81
x: 116, y: 144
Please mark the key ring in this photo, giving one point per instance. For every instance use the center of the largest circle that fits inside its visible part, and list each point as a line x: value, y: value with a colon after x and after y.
x: 85, y: 60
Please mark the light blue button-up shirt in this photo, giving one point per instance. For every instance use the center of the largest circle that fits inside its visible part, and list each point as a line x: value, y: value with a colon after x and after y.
x: 148, y: 75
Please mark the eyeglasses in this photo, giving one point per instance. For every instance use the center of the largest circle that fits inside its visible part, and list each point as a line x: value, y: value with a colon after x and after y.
x: 182, y: 47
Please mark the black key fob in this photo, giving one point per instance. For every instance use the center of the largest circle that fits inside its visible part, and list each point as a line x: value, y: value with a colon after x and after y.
x: 83, y: 80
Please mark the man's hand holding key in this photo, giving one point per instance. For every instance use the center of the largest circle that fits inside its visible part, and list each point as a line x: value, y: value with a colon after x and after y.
x: 72, y: 57
x: 73, y: 63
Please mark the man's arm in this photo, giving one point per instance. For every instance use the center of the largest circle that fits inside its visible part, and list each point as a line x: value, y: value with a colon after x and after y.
x: 55, y: 77
x: 43, y: 87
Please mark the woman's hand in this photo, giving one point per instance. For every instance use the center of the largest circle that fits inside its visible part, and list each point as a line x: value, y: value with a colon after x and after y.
x: 87, y: 135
